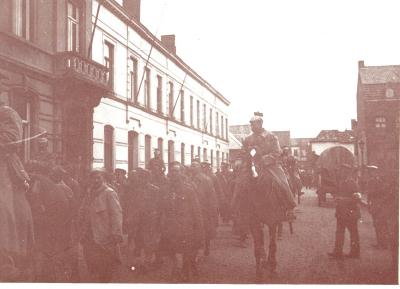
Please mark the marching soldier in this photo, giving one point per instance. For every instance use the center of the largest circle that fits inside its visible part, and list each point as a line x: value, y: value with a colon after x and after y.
x: 182, y: 225
x: 225, y: 178
x: 16, y: 224
x: 101, y: 218
x: 143, y: 217
x: 208, y: 203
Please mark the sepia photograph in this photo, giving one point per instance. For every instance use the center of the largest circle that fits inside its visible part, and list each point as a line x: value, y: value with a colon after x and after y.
x: 199, y: 142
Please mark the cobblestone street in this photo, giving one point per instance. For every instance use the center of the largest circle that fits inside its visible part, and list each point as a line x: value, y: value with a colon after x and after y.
x: 302, y: 256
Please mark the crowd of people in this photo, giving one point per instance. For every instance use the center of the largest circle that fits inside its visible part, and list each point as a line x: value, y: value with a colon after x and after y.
x: 147, y: 217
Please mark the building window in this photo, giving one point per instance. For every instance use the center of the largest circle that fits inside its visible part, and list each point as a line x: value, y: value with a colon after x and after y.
x: 73, y: 27
x: 222, y: 157
x: 182, y: 153
x: 212, y: 158
x: 159, y: 94
x: 171, y: 151
x: 23, y: 103
x: 204, y: 118
x: 160, y: 146
x: 205, y: 155
x: 182, y: 106
x: 191, y: 153
x: 211, y: 121
x: 24, y: 17
x: 147, y: 95
x: 380, y: 122
x: 171, y: 99
x: 389, y: 92
x: 222, y: 127
x: 218, y: 160
x: 147, y: 150
x: 398, y: 121
x: 199, y: 153
x: 191, y: 111
x: 134, y: 79
x: 109, y: 148
x: 226, y: 128
x: 216, y: 124
x: 133, y: 150
x: 109, y: 61
x: 198, y: 114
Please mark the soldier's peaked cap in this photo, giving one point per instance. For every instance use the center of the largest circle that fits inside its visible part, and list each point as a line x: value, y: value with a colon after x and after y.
x: 257, y: 117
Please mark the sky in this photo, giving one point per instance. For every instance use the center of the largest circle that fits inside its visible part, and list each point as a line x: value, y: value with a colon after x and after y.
x: 294, y: 60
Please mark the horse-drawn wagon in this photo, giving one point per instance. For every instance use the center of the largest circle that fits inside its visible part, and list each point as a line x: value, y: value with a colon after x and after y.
x: 328, y: 167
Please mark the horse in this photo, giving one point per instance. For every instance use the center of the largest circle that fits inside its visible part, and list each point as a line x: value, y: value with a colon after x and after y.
x: 265, y: 197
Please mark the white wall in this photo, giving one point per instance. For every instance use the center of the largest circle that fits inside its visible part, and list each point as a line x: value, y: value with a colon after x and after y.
x: 128, y: 43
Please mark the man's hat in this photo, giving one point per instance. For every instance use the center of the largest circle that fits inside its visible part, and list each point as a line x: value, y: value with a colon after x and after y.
x: 257, y: 117
x: 97, y: 171
x: 120, y: 171
x: 205, y: 164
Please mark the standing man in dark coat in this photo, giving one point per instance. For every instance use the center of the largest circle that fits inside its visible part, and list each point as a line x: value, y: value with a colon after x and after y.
x: 208, y: 202
x: 225, y: 179
x: 101, y: 219
x: 181, y: 222
x: 143, y: 217
x: 16, y: 225
x: 377, y: 191
x: 207, y: 170
x: 347, y: 214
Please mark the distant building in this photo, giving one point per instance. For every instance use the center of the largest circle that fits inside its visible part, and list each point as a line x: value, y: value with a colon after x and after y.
x: 235, y: 147
x: 330, y: 138
x: 242, y: 131
x: 378, y: 116
x: 301, y: 149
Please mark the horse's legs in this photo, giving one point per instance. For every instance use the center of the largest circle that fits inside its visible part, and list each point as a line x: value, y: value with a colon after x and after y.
x: 259, y: 251
x: 272, y: 247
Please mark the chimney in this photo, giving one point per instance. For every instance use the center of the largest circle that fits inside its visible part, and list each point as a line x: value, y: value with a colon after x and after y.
x: 168, y: 41
x: 361, y: 64
x: 133, y: 8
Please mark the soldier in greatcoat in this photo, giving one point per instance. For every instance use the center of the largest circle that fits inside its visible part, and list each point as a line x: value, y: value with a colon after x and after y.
x: 16, y: 225
x: 101, y: 224
x: 181, y: 222
x: 208, y: 202
x: 143, y: 217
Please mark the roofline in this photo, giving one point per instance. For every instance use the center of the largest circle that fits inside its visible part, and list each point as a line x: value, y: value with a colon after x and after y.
x: 116, y: 8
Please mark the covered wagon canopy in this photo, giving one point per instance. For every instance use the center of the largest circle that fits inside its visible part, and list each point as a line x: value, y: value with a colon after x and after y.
x: 333, y: 158
x: 330, y: 164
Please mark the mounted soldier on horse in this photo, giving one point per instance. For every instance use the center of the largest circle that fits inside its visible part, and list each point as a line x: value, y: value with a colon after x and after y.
x: 269, y: 196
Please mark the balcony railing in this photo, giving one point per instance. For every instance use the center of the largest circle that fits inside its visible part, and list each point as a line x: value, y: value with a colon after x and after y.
x: 71, y: 64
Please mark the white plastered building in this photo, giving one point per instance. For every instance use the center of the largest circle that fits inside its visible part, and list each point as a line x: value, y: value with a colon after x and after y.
x: 158, y: 101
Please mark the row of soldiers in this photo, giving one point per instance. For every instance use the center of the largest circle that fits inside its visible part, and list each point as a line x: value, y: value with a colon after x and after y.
x: 162, y: 215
